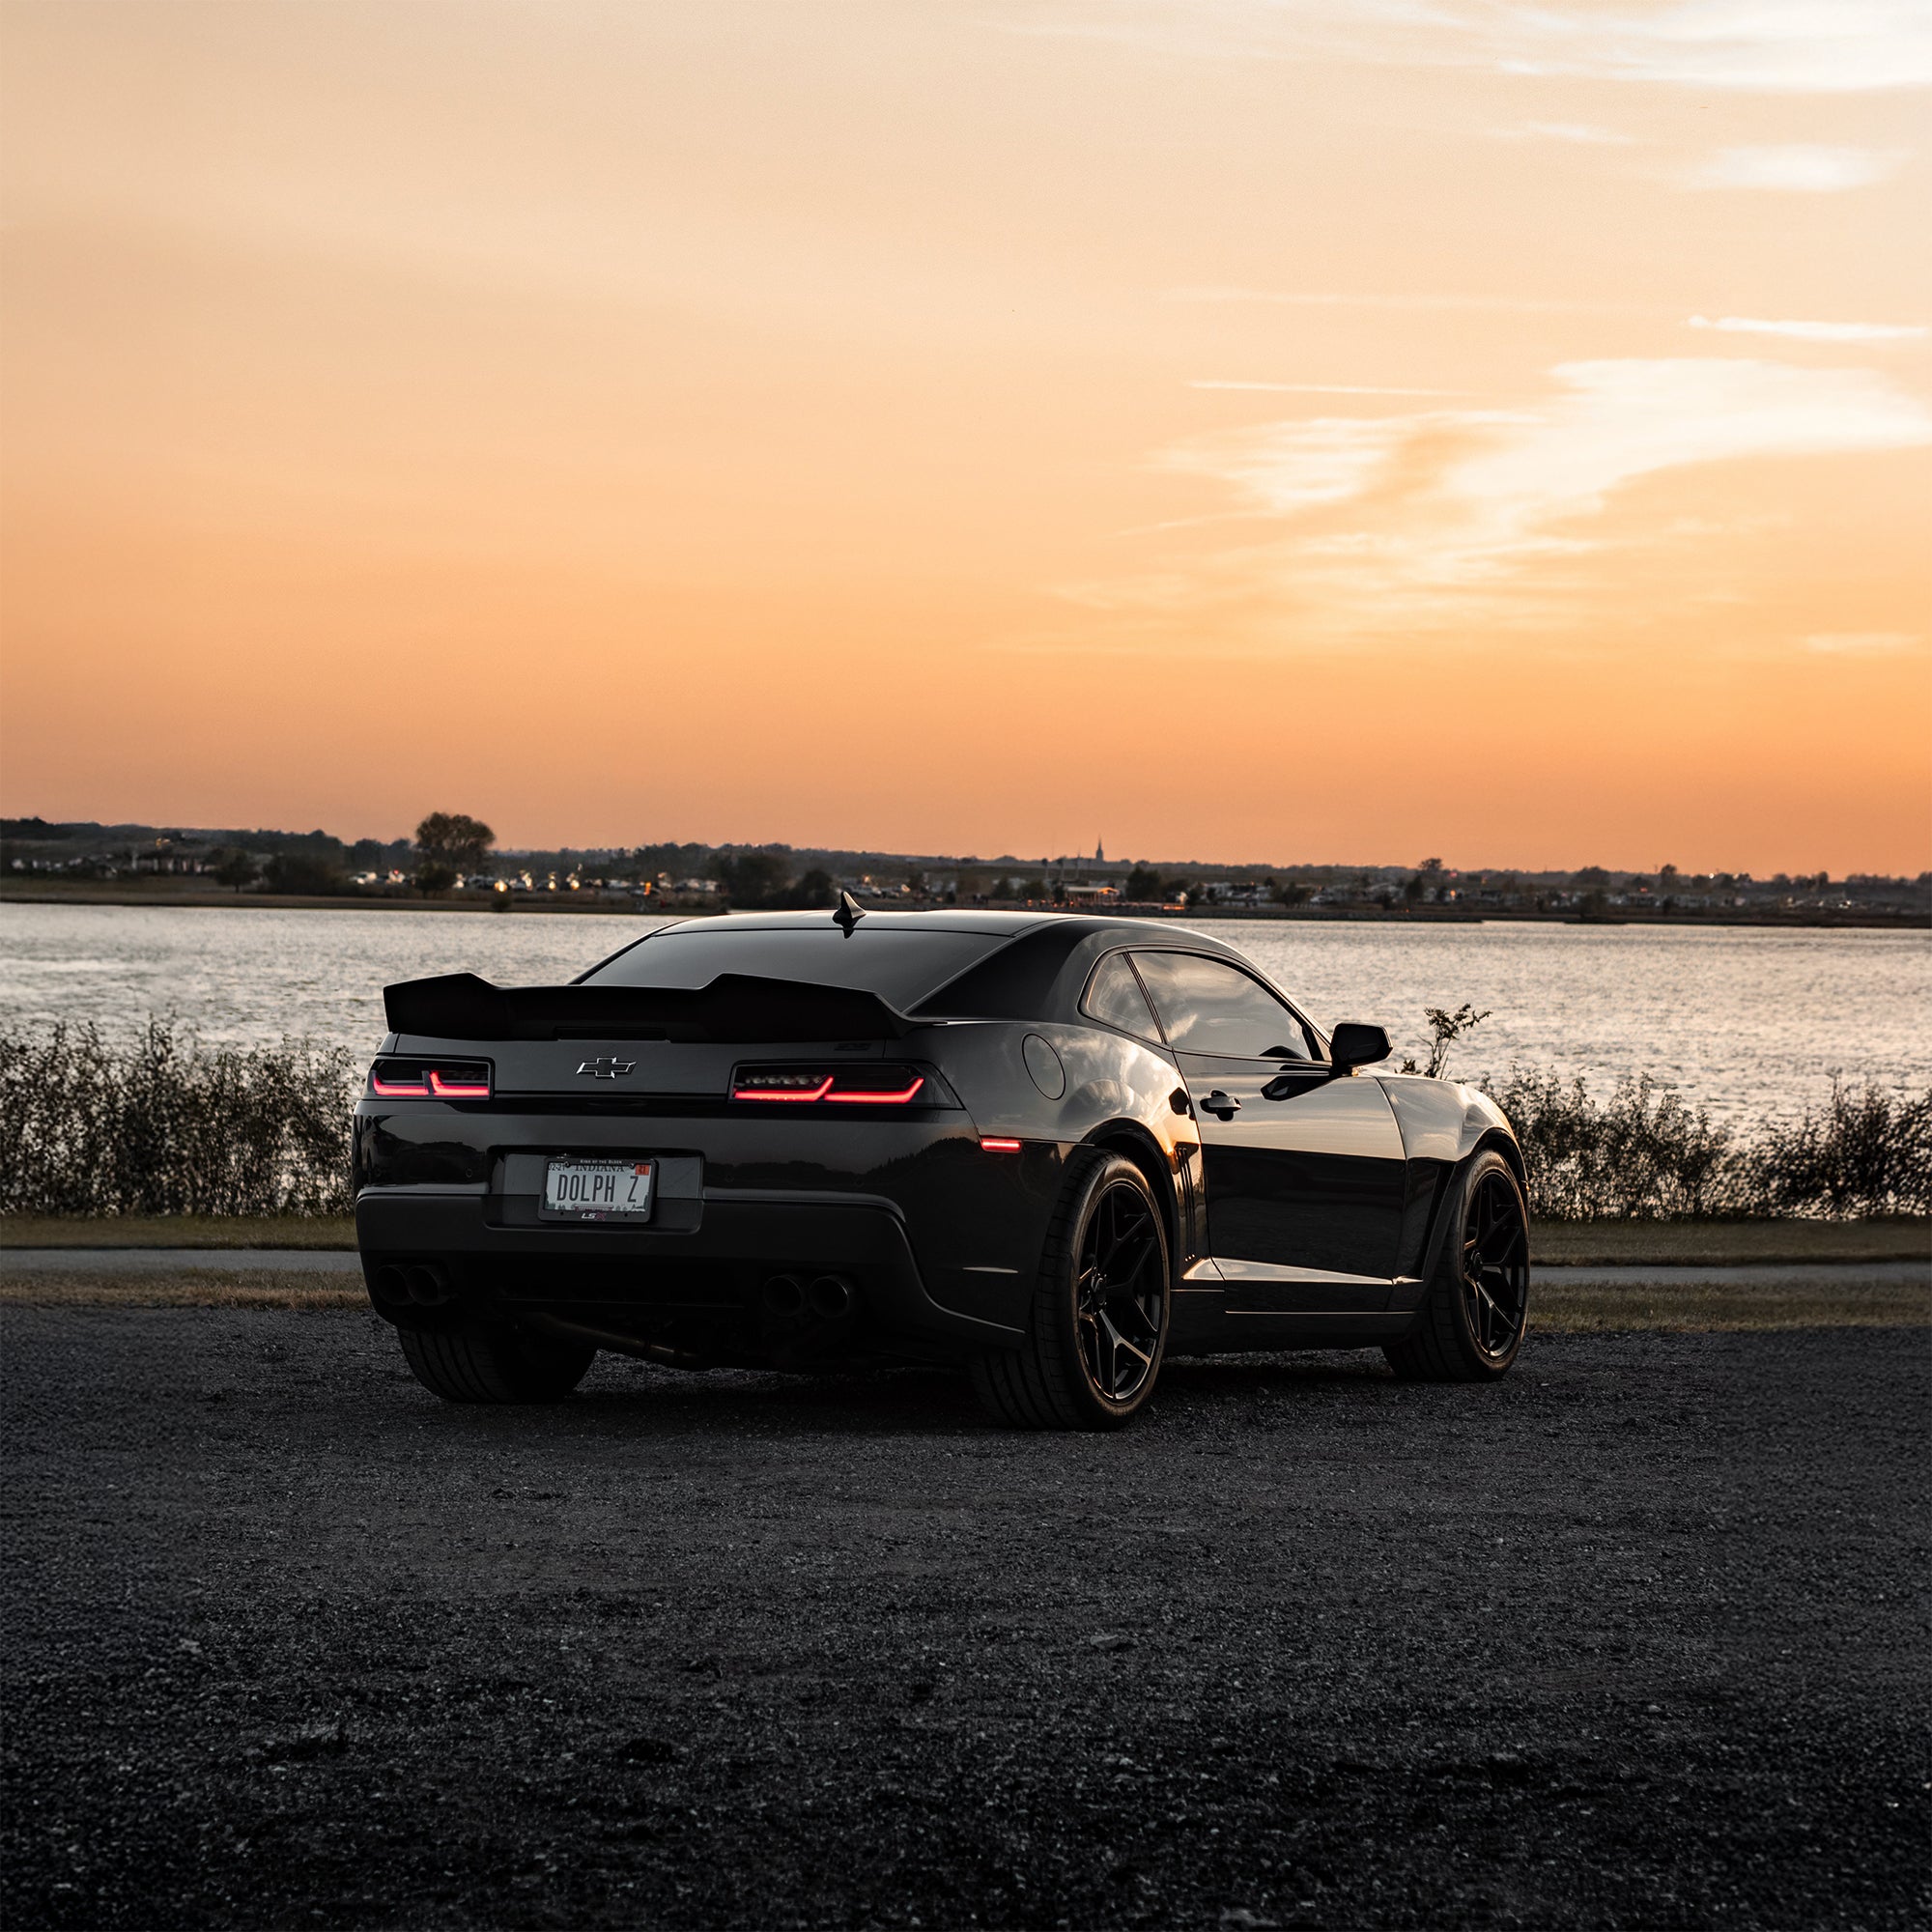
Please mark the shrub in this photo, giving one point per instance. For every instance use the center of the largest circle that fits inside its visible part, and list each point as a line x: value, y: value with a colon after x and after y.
x: 301, y: 872
x: 163, y: 1125
x: 1865, y: 1151
x: 1643, y: 1154
x: 1646, y: 1153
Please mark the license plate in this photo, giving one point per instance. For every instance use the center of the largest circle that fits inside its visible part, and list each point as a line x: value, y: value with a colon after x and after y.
x: 579, y: 1190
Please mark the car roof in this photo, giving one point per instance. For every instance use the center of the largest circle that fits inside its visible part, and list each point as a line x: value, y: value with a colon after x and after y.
x: 951, y: 919
x: 959, y: 918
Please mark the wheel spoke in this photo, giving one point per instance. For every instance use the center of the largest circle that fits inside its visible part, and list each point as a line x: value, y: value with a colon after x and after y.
x: 1118, y: 1345
x: 1512, y: 1241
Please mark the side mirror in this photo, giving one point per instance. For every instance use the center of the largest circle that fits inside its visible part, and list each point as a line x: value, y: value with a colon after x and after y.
x: 1352, y: 1046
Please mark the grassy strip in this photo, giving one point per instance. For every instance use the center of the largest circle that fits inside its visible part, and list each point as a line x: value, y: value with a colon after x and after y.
x: 179, y: 1231
x: 1727, y: 1243
x: 1708, y: 1307
x: 184, y: 1288
x: 1552, y: 1243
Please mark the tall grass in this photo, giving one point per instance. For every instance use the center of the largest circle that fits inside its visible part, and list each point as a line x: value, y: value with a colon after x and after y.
x: 163, y: 1125
x: 1645, y: 1153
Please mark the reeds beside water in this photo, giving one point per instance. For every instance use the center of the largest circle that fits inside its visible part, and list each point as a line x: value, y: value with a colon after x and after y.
x: 166, y: 1124
x: 1646, y: 1153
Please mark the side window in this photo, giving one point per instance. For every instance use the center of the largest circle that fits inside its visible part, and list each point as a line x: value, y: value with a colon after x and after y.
x: 1209, y: 1006
x: 1115, y: 999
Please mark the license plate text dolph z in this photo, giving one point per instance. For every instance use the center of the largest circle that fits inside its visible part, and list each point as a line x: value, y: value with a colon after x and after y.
x: 598, y: 1190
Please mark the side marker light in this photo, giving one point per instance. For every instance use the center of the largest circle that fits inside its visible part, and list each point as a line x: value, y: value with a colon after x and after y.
x: 999, y: 1147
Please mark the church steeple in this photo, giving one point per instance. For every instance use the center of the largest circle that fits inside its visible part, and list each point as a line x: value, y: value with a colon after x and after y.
x: 1099, y: 852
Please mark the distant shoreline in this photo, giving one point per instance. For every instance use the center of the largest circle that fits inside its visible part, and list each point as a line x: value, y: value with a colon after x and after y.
x: 598, y: 903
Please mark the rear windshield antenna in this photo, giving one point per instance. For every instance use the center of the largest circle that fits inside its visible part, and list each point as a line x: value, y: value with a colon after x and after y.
x: 849, y: 913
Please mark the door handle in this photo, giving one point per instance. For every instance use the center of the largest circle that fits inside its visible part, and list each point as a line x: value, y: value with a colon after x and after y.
x: 1223, y: 1104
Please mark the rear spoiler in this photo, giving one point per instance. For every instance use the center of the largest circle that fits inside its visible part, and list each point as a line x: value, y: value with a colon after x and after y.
x: 735, y: 1007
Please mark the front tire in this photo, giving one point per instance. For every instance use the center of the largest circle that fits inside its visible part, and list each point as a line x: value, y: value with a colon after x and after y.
x: 1099, y: 1331
x: 476, y: 1361
x: 1470, y: 1326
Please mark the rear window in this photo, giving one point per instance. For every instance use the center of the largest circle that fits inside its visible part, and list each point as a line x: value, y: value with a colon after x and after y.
x: 901, y: 967
x: 1113, y: 997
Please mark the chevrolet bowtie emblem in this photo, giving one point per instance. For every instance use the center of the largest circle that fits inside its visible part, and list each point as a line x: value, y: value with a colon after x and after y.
x: 608, y: 1068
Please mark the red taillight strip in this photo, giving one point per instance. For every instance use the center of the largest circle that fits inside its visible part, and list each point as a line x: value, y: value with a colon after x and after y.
x: 397, y: 1090
x: 898, y: 1099
x: 796, y: 1093
x: 456, y: 1090
x: 999, y: 1147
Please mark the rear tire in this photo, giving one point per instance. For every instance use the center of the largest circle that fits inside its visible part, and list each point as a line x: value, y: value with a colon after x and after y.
x: 1470, y: 1326
x: 476, y: 1361
x: 1099, y: 1331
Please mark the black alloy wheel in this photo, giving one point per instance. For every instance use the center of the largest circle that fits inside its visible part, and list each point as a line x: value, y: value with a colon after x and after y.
x: 1475, y: 1310
x: 1495, y: 1265
x: 1120, y: 1299
x: 1097, y: 1329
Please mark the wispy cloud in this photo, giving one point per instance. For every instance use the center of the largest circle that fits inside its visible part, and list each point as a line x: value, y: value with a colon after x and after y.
x: 1798, y: 46
x: 1862, y: 644
x: 1788, y: 47
x: 1796, y: 169
x: 1814, y: 332
x: 1439, y: 518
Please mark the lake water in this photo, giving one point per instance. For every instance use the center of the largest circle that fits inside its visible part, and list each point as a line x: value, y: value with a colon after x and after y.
x: 1745, y: 1020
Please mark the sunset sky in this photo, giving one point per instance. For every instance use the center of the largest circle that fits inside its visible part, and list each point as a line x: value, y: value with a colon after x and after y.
x: 1289, y: 430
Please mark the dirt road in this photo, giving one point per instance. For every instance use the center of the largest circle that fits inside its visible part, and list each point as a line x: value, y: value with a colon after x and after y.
x: 1630, y: 1640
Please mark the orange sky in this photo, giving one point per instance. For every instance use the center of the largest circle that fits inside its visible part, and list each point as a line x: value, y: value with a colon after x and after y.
x: 1331, y: 431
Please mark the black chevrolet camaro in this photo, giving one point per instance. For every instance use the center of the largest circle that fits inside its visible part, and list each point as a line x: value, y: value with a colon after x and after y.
x: 1052, y: 1149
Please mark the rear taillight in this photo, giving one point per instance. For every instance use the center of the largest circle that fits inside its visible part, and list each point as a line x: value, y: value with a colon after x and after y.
x: 430, y: 1080
x: 871, y: 1086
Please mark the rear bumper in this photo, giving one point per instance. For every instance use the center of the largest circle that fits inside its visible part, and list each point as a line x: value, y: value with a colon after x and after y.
x: 695, y: 1284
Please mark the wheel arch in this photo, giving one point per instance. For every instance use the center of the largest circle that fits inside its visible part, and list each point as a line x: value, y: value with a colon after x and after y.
x: 1445, y: 1225
x: 1139, y: 1146
x: 1506, y: 1145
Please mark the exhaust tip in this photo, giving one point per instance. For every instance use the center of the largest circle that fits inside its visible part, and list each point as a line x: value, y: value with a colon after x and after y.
x: 784, y: 1295
x: 429, y: 1286
x: 831, y: 1298
x: 392, y: 1284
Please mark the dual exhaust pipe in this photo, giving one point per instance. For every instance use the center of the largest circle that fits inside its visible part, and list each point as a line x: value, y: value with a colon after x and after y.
x: 830, y: 1297
x: 424, y: 1282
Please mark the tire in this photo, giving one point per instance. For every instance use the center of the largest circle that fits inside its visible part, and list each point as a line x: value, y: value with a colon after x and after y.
x: 491, y: 1362
x: 1470, y: 1326
x: 1095, y: 1340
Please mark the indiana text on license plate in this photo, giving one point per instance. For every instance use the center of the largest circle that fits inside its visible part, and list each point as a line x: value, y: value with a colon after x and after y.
x: 598, y: 1190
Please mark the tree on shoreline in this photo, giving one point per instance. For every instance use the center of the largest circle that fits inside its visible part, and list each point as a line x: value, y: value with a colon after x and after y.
x: 448, y: 844
x: 235, y: 867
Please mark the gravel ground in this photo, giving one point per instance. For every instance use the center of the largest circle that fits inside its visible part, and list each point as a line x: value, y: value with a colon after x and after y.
x: 1631, y: 1639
